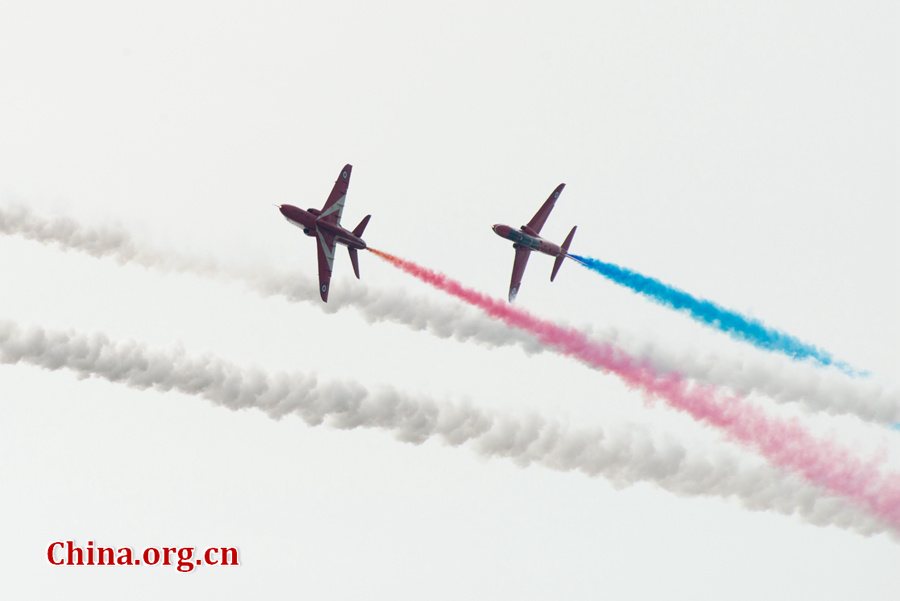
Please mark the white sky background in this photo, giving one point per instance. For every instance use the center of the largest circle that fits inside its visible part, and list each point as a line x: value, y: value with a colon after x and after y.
x: 745, y: 152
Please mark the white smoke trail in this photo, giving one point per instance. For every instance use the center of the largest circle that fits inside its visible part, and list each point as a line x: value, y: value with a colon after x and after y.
x: 746, y: 370
x: 624, y: 457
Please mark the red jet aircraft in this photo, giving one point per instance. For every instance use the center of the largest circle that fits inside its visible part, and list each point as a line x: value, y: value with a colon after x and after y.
x: 325, y: 226
x: 527, y: 239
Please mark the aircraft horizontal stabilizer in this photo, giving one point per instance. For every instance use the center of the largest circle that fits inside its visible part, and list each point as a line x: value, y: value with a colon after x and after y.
x: 354, y: 258
x: 358, y: 231
x: 563, y: 254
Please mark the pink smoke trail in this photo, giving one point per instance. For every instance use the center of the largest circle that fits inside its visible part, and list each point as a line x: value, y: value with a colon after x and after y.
x: 785, y: 442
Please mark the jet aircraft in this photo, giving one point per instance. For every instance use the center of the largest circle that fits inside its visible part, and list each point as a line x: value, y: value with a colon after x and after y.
x: 325, y: 226
x: 527, y: 239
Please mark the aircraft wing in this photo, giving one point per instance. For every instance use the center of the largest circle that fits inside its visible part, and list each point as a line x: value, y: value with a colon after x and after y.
x: 519, y: 264
x: 334, y: 206
x: 326, y: 245
x: 537, y: 222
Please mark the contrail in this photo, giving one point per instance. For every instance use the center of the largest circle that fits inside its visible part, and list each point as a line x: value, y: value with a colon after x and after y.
x: 707, y: 312
x: 624, y: 457
x: 744, y: 370
x: 784, y: 442
x: 115, y: 242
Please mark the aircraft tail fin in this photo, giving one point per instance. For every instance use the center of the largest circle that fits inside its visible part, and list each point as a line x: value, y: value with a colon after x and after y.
x: 354, y: 258
x: 562, y: 255
x: 361, y: 227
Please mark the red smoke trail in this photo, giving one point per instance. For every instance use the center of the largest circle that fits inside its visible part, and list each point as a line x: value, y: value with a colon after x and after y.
x: 785, y: 442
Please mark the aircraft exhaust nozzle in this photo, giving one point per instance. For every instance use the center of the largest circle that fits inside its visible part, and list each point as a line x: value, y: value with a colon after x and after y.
x: 564, y: 252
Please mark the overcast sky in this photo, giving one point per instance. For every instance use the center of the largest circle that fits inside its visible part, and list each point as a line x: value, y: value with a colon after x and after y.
x: 744, y: 152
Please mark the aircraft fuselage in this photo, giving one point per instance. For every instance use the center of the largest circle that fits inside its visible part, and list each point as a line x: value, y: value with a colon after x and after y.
x: 523, y: 239
x: 307, y: 221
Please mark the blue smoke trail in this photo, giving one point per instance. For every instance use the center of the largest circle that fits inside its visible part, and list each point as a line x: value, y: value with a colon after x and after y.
x: 740, y: 327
